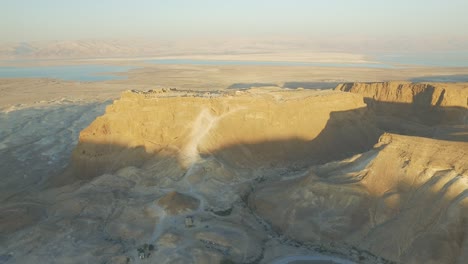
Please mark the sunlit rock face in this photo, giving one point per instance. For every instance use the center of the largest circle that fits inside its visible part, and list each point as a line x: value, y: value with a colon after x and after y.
x: 244, y: 129
x: 253, y: 176
x: 424, y: 103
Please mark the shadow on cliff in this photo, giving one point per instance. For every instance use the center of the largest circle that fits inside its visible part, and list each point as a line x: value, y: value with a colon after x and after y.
x: 345, y: 134
x: 445, y: 123
x: 423, y: 117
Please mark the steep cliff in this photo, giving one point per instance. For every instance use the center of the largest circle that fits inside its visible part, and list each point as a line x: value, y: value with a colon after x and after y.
x: 427, y: 103
x: 245, y: 129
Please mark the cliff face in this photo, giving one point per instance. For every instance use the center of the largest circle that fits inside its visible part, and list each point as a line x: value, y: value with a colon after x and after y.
x: 246, y: 130
x: 426, y: 103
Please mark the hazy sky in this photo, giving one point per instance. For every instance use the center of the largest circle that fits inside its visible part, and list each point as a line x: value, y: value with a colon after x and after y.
x: 25, y: 20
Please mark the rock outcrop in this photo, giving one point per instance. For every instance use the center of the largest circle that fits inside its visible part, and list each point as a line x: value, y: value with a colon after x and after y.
x: 427, y: 103
x: 245, y: 130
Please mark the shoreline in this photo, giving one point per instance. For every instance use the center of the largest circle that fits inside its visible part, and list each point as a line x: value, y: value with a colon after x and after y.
x: 149, y: 76
x: 319, y: 57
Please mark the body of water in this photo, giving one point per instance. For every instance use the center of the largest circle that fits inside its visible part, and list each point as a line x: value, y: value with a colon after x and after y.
x: 83, y: 73
x: 269, y: 63
x: 90, y: 73
x: 433, y: 59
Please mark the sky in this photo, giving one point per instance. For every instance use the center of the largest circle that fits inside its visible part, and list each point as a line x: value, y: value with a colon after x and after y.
x: 39, y: 20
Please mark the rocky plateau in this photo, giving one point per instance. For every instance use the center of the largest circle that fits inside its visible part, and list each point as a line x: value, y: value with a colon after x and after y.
x: 367, y: 172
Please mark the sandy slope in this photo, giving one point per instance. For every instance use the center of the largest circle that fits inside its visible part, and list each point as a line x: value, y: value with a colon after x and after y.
x: 35, y: 142
x: 404, y: 200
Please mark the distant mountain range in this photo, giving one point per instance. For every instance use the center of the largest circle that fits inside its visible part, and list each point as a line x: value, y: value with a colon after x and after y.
x: 139, y: 47
x: 77, y: 49
x: 69, y: 49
